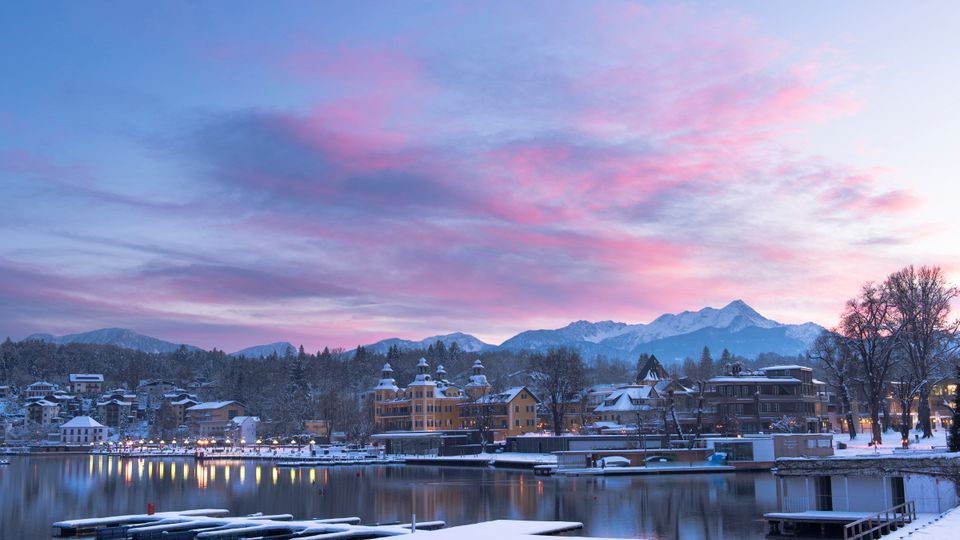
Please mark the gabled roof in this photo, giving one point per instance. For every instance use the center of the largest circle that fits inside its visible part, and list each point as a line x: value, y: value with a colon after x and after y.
x: 786, y: 367
x: 211, y: 405
x: 651, y: 370
x: 629, y: 399
x: 114, y: 400
x: 754, y: 379
x: 82, y: 422
x: 507, y: 395
x: 39, y: 383
x: 43, y: 403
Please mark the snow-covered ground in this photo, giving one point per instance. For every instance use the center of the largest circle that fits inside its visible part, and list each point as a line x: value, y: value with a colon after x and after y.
x: 943, y: 527
x: 504, y: 457
x: 891, y: 443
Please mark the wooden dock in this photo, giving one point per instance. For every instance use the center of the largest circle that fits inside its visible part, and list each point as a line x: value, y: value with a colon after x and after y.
x: 846, y: 525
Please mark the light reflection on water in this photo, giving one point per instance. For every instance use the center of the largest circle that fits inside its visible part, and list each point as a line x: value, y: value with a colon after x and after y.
x: 35, y: 491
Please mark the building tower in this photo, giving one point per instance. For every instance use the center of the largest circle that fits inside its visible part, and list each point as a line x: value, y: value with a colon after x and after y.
x: 478, y: 385
x: 387, y: 387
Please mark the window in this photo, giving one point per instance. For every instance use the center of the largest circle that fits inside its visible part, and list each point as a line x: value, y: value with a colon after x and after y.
x: 516, y: 408
x: 516, y: 423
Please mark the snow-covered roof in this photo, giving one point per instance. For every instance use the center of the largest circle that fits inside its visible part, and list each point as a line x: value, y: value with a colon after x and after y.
x: 40, y: 383
x: 86, y: 377
x: 121, y: 391
x: 210, y: 405
x: 43, y: 403
x: 477, y: 380
x: 387, y: 384
x: 120, y: 402
x: 755, y: 379
x: 82, y: 422
x: 786, y: 367
x: 506, y: 396
x: 183, y: 401
x: 241, y: 419
x: 627, y: 399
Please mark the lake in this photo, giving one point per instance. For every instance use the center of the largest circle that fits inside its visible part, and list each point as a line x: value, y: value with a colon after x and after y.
x: 36, y: 491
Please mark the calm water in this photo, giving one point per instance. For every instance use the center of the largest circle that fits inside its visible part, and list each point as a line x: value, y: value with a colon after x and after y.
x: 36, y: 491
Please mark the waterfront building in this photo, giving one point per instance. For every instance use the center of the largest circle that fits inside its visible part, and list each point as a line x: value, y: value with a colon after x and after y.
x: 427, y: 404
x: 868, y: 483
x: 86, y: 383
x: 83, y: 430
x: 242, y: 429
x: 211, y: 418
x: 646, y: 402
x: 770, y: 398
x: 508, y: 413
x: 433, y: 403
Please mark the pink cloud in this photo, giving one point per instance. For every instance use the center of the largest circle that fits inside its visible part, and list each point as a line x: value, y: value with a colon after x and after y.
x: 634, y: 165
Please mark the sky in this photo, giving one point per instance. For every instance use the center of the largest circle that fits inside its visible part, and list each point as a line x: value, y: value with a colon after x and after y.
x: 333, y: 173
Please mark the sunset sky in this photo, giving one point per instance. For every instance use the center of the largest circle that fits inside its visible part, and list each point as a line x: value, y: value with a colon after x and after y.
x: 333, y: 173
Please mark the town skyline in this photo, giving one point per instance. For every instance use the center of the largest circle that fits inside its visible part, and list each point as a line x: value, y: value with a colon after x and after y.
x: 340, y: 176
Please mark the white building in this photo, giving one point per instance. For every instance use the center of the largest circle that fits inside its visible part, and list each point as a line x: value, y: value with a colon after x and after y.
x: 86, y: 383
x: 868, y: 483
x: 83, y: 430
x: 40, y: 389
x: 242, y: 429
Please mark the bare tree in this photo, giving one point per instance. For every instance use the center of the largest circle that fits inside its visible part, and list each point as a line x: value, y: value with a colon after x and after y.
x: 865, y: 325
x: 832, y: 354
x: 921, y: 301
x: 672, y: 408
x: 701, y: 390
x: 953, y: 441
x: 906, y: 387
x: 558, y: 376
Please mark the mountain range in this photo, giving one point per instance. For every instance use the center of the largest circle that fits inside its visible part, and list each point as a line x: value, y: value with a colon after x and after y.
x: 736, y: 326
x: 121, y: 337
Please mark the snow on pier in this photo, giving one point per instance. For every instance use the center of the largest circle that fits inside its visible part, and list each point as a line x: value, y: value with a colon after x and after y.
x: 215, y: 523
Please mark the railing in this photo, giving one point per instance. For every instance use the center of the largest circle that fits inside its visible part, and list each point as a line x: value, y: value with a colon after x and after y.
x: 882, y: 522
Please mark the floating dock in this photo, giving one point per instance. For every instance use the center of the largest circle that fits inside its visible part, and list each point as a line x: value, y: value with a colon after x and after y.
x: 216, y: 523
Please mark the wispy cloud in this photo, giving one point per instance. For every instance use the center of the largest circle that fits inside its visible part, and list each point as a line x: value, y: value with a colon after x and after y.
x: 608, y: 161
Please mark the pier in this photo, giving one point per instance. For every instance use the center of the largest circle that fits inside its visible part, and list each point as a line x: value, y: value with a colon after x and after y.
x: 216, y: 523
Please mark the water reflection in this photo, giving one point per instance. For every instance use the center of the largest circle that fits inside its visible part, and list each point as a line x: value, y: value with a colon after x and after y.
x: 39, y: 490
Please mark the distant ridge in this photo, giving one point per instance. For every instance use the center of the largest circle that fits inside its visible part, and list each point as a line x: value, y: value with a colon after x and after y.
x: 736, y: 326
x: 280, y: 348
x: 466, y: 342
x: 120, y: 337
x: 672, y: 337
